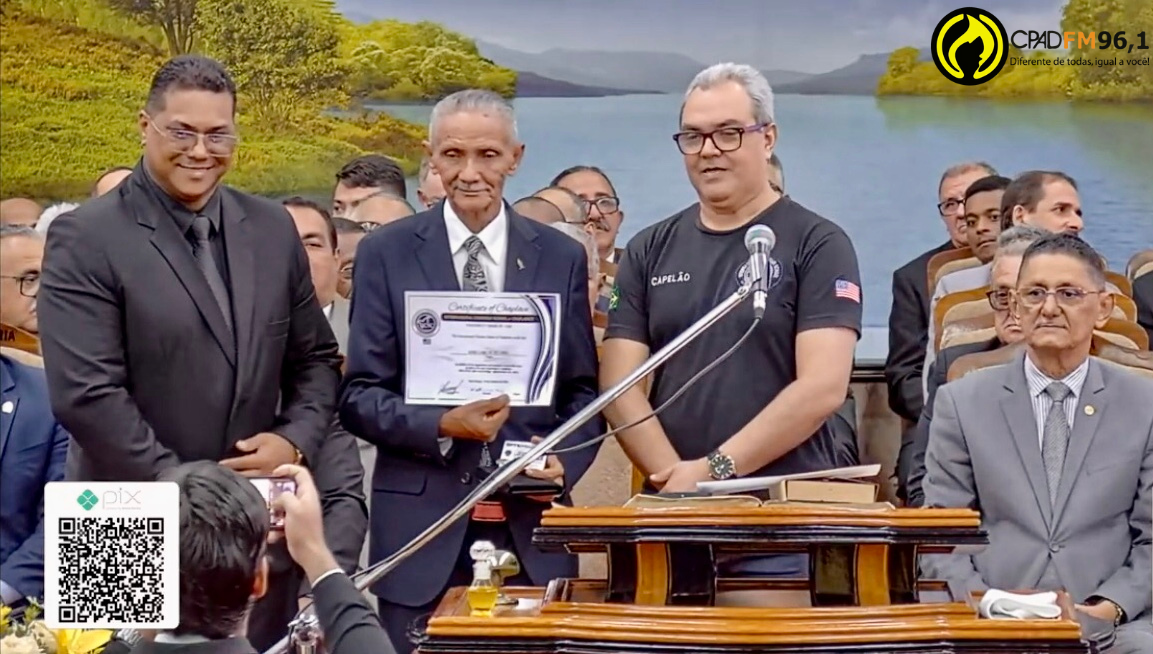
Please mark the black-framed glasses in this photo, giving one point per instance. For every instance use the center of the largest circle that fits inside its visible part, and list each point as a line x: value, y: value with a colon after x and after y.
x: 950, y: 206
x: 725, y: 139
x: 605, y: 205
x: 1066, y: 296
x: 28, y: 284
x: 999, y: 298
x: 216, y: 143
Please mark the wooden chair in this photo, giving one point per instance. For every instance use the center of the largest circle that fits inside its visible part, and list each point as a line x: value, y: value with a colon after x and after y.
x: 1124, y: 307
x: 1140, y: 264
x: 942, y: 258
x: 953, y: 299
x: 1132, y: 360
x: 18, y: 339
x: 23, y: 356
x: 1120, y: 281
x: 981, y: 360
x: 952, y: 267
x: 968, y: 330
x: 1125, y: 333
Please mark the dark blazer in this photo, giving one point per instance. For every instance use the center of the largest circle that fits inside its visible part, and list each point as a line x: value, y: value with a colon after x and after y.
x: 413, y: 484
x: 143, y: 371
x: 350, y: 626
x: 339, y: 480
x: 909, y: 335
x: 33, y: 447
x: 911, y: 460
x: 1143, y: 296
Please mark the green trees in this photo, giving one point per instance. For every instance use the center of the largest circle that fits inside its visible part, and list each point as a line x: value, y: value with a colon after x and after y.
x: 176, y: 18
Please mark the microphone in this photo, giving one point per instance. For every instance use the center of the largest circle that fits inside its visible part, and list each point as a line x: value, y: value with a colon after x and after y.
x: 759, y: 240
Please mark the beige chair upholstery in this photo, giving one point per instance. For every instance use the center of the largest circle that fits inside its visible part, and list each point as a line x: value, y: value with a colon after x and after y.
x: 940, y: 259
x: 969, y: 330
x: 1140, y: 264
x: 952, y: 267
x: 27, y: 358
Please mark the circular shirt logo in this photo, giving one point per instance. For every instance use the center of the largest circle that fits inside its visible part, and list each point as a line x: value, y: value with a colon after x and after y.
x: 426, y: 322
x: 970, y: 46
x: 774, y: 273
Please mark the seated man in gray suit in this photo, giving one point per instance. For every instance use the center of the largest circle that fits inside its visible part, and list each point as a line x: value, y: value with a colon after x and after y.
x: 1055, y: 449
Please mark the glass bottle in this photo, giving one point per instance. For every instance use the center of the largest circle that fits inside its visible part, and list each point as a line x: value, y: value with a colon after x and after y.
x: 482, y: 594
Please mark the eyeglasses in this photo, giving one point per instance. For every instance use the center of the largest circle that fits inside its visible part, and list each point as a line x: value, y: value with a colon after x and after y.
x: 367, y: 225
x: 1066, y: 296
x: 29, y: 284
x: 725, y: 139
x: 216, y: 143
x: 346, y: 272
x: 605, y: 205
x: 999, y: 298
x: 950, y: 206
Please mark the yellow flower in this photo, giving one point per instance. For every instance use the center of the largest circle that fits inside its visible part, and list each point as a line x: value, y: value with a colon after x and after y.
x: 80, y: 641
x: 4, y: 611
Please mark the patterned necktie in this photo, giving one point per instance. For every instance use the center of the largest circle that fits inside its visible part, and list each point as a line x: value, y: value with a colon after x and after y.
x: 1055, y: 438
x: 474, y: 278
x: 201, y: 228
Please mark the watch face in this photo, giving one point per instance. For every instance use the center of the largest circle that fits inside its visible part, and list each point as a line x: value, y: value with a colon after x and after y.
x: 721, y: 466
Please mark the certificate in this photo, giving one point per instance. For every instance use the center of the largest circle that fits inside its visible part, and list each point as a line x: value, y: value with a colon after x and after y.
x: 462, y: 347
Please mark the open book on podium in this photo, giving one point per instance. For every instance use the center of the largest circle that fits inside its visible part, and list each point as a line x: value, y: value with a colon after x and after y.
x: 852, y: 485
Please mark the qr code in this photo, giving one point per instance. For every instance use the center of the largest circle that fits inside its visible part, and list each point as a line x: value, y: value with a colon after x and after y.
x: 111, y: 570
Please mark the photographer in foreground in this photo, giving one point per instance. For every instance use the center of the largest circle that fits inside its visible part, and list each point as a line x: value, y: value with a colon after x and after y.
x: 224, y: 531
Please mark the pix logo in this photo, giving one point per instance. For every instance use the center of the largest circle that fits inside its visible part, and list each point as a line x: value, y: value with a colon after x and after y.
x: 117, y: 499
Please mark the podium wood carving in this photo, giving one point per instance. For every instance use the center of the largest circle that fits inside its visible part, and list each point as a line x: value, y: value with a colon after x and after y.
x: 663, y: 593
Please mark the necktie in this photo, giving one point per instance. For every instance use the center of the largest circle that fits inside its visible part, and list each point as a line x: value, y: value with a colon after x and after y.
x: 474, y: 278
x: 1055, y: 438
x: 201, y: 227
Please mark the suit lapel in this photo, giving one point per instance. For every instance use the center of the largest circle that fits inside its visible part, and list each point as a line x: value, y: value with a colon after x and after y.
x: 433, y: 254
x: 1017, y: 407
x: 172, y: 245
x: 239, y: 249
x: 7, y: 411
x: 1084, y: 431
x: 523, y: 255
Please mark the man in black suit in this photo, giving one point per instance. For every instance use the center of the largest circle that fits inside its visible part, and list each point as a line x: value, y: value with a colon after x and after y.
x: 1006, y: 264
x: 178, y: 315
x: 224, y: 528
x: 429, y: 457
x: 1143, y: 296
x: 909, y: 315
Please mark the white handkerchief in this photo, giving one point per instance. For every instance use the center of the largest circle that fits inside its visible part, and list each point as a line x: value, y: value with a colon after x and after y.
x: 999, y: 605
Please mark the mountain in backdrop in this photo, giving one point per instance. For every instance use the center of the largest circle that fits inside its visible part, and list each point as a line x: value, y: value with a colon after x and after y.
x: 858, y: 78
x: 531, y: 85
x: 659, y: 72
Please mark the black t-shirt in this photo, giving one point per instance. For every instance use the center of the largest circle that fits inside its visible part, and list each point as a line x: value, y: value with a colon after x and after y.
x: 677, y: 270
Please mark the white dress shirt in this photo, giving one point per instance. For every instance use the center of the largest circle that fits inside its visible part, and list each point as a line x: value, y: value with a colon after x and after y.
x: 1038, y: 381
x: 495, y: 239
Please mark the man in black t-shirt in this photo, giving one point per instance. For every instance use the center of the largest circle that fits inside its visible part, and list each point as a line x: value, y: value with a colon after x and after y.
x: 764, y: 410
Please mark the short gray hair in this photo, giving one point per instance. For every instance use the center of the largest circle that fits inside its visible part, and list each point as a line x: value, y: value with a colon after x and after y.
x: 750, y: 79
x: 472, y: 101
x: 52, y: 213
x: 1014, y: 241
x: 582, y: 236
x: 965, y: 167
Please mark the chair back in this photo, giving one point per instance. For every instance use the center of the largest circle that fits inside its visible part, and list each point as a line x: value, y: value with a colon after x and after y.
x: 18, y: 339
x: 1131, y: 360
x: 953, y: 299
x: 1140, y: 264
x: 1124, y: 286
x: 1124, y: 307
x: 981, y: 360
x: 940, y: 259
x: 952, y: 267
x: 967, y: 330
x: 1125, y: 333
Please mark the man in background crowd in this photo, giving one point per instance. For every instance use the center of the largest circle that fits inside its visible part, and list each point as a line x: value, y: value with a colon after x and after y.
x: 431, y: 189
x: 538, y: 209
x: 201, y: 336
x: 348, y: 235
x: 601, y: 204
x: 1043, y: 198
x: 109, y: 180
x: 19, y: 211
x: 569, y: 203
x: 377, y: 210
x: 21, y: 256
x: 776, y: 174
x: 364, y: 177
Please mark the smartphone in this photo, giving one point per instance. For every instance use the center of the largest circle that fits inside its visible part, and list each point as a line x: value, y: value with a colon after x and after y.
x: 270, y: 488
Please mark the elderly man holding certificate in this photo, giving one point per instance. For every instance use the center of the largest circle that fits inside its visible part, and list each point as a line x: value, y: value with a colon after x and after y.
x: 470, y: 336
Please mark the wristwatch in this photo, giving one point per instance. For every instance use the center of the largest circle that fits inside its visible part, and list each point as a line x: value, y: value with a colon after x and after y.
x: 721, y: 465
x: 1116, y: 607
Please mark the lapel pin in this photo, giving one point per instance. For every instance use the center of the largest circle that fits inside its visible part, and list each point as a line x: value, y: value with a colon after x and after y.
x: 7, y: 408
x: 519, y: 264
x: 1089, y: 410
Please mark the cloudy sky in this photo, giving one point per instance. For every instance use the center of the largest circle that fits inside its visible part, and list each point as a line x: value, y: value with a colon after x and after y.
x: 810, y: 36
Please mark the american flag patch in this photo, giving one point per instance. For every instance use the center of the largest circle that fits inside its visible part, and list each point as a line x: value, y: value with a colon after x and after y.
x: 848, y: 290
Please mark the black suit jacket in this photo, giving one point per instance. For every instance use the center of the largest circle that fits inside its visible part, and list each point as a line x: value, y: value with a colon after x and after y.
x: 414, y: 484
x: 911, y: 460
x: 909, y: 335
x: 1143, y: 296
x: 141, y: 367
x: 350, y: 626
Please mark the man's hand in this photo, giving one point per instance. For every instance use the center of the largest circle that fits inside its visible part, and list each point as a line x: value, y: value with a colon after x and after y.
x: 1106, y: 611
x: 266, y: 451
x: 682, y: 477
x: 476, y: 421
x: 553, y: 471
x: 303, y: 523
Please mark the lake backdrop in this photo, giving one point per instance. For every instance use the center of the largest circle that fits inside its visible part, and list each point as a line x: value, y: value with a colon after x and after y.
x: 869, y: 164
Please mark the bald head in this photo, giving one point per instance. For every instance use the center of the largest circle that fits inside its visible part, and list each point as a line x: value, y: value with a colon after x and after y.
x: 568, y: 202
x: 109, y: 180
x: 381, y: 209
x: 538, y: 209
x: 19, y: 211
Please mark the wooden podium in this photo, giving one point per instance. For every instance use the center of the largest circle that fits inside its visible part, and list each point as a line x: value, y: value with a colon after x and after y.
x: 663, y: 595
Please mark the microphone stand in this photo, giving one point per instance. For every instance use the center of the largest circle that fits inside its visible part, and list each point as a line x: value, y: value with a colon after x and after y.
x: 305, y: 630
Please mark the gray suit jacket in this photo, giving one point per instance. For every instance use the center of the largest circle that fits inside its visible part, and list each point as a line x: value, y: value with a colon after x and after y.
x: 338, y: 320
x: 984, y: 454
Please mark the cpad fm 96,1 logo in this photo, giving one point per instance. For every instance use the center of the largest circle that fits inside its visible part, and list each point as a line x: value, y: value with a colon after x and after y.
x: 970, y: 46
